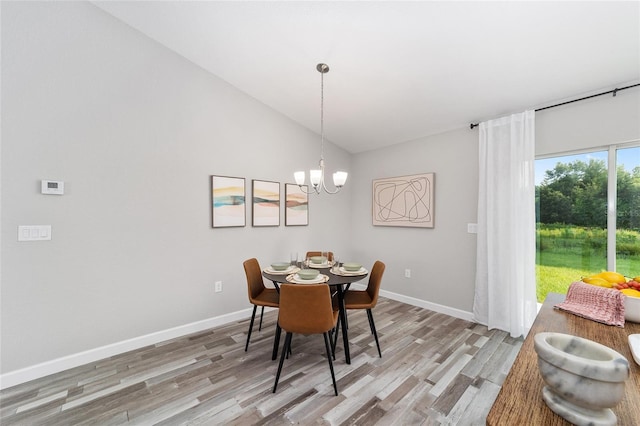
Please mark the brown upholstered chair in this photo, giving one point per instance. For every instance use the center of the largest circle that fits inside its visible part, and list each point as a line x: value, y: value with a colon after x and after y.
x: 367, y: 299
x: 306, y: 309
x: 319, y: 253
x: 259, y: 295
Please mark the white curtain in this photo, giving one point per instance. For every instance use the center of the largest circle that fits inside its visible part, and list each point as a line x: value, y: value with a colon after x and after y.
x: 505, y: 292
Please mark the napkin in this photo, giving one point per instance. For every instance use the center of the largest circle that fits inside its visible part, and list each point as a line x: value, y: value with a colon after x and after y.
x: 605, y: 305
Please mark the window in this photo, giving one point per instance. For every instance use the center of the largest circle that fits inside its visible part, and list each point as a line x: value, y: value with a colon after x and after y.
x: 585, y: 222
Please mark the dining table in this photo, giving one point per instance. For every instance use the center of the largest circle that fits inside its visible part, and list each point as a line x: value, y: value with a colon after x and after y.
x: 338, y: 280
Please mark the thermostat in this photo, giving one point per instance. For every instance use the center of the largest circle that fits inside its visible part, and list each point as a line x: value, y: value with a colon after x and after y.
x: 54, y: 187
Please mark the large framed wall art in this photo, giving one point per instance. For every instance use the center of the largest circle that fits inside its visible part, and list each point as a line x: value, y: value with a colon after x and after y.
x: 265, y: 202
x: 228, y: 207
x: 296, y: 212
x: 404, y: 201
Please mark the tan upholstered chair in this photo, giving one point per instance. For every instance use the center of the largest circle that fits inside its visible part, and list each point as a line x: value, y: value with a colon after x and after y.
x: 259, y: 295
x: 319, y: 253
x: 306, y: 309
x: 367, y: 299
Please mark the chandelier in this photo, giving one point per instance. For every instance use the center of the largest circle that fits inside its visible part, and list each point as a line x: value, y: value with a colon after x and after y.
x: 316, y: 176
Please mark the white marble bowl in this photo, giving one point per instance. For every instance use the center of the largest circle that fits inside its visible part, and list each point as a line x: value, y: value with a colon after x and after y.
x: 583, y: 378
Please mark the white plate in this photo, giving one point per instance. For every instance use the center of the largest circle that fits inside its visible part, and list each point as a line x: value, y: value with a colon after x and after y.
x: 295, y: 278
x: 343, y: 271
x: 289, y: 270
x: 634, y: 344
x: 319, y: 265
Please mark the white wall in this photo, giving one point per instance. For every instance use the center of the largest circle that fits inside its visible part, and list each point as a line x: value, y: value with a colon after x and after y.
x: 441, y: 259
x: 596, y: 122
x: 134, y: 131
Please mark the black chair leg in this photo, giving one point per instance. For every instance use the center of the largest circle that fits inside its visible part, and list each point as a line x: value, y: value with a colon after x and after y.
x: 253, y: 315
x: 276, y: 341
x: 335, y: 337
x: 285, y: 349
x: 333, y: 376
x: 372, y: 325
x: 261, y: 314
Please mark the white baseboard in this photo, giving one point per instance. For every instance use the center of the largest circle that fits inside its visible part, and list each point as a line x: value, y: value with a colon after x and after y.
x: 457, y: 313
x: 37, y: 371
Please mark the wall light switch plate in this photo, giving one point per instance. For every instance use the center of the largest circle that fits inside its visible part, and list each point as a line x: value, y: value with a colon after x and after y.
x: 34, y: 232
x: 472, y: 228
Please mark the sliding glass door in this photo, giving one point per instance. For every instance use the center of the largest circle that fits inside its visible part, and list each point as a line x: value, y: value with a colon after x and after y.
x: 587, y: 210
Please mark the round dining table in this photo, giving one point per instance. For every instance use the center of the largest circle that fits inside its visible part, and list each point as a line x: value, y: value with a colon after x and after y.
x: 336, y: 281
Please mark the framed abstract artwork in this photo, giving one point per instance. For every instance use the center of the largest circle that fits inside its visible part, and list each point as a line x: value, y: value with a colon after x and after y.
x: 228, y: 207
x: 404, y: 201
x: 296, y: 212
x: 265, y: 201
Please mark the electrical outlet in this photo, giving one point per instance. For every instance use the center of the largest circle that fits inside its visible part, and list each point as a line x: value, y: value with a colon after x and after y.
x: 407, y: 273
x: 218, y: 286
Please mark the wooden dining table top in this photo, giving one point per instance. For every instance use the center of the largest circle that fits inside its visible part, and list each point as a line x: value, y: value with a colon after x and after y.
x: 520, y: 402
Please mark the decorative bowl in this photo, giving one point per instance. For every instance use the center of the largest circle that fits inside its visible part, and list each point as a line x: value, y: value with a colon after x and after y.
x: 583, y: 379
x: 308, y: 274
x: 318, y: 259
x: 279, y: 266
x: 632, y: 308
x: 351, y: 267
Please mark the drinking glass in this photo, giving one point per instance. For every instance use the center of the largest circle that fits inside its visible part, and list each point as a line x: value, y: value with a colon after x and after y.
x: 294, y: 258
x: 325, y: 254
x: 336, y: 264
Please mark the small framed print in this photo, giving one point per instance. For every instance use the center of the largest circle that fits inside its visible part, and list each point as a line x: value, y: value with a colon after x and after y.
x: 228, y: 207
x: 296, y: 212
x: 265, y: 201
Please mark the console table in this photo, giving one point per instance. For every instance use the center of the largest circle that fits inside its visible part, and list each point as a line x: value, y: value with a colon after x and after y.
x: 519, y: 401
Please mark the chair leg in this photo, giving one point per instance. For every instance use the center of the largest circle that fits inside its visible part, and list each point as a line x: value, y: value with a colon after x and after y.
x: 333, y: 376
x: 285, y: 348
x: 253, y: 315
x: 373, y: 330
x: 276, y: 341
x: 261, y: 314
x: 335, y: 337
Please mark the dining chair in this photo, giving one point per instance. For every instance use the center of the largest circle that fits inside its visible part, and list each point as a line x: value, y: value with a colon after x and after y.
x: 306, y: 309
x: 367, y: 299
x: 319, y: 253
x: 259, y: 295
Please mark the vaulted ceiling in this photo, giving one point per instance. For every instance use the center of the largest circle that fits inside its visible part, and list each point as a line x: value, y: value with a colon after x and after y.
x: 400, y: 70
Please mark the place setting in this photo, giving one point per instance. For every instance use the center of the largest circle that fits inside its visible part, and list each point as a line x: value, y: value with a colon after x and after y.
x: 318, y: 262
x: 307, y: 276
x: 281, y: 268
x: 349, y: 269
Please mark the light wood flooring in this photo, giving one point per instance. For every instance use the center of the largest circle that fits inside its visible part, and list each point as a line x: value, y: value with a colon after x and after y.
x: 434, y: 370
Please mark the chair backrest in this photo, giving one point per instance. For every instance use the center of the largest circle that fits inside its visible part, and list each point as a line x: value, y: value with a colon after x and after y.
x: 319, y: 253
x: 305, y: 308
x: 375, y: 278
x: 255, y: 285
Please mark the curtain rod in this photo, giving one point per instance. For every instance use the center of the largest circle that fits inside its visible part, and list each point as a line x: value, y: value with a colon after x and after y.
x: 614, y: 91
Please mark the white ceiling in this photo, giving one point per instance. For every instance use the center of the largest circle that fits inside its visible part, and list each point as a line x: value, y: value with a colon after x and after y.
x: 400, y: 70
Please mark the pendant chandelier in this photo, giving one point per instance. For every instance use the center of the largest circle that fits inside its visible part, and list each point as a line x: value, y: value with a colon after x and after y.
x: 316, y: 176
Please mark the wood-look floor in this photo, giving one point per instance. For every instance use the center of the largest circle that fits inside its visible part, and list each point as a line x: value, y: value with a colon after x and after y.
x: 435, y: 369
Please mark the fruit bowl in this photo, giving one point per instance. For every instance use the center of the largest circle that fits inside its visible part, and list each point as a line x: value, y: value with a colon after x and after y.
x: 632, y: 308
x: 308, y: 274
x: 279, y: 266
